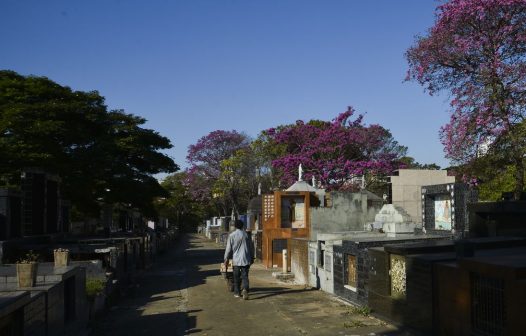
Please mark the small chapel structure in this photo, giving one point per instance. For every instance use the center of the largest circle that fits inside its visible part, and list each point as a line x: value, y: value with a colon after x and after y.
x: 286, y: 215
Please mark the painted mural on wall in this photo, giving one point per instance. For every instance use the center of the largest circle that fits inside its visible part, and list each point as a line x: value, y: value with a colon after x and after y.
x: 443, y: 212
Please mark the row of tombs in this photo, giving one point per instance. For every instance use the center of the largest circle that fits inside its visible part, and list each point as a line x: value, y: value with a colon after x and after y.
x: 428, y: 256
x: 61, y: 299
x: 104, y: 255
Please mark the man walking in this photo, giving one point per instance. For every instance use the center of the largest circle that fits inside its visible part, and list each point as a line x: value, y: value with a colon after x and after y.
x: 239, y: 246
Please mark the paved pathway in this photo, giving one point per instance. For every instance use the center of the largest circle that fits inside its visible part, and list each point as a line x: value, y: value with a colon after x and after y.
x: 184, y: 294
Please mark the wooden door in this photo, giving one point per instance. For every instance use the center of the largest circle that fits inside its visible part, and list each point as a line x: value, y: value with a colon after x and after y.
x: 278, y: 245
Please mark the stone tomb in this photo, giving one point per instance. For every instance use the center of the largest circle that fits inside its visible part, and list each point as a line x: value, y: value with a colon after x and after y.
x: 321, y: 257
x: 492, y: 219
x: 320, y: 264
x: 344, y: 212
x: 57, y: 302
x: 444, y: 208
x: 351, y: 263
x: 393, y: 220
x: 405, y: 186
x: 492, y: 286
x: 404, y: 279
x: 12, y: 312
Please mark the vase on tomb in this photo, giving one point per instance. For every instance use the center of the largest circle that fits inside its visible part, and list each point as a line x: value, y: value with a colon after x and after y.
x: 26, y: 274
x: 61, y: 257
x: 26, y: 270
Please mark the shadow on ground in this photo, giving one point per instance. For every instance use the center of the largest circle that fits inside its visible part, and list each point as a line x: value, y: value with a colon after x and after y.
x: 261, y: 293
x: 158, y: 302
x: 154, y: 304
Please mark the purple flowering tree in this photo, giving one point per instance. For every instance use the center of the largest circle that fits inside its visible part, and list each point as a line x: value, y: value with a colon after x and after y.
x: 205, y: 158
x: 335, y: 152
x: 476, y: 51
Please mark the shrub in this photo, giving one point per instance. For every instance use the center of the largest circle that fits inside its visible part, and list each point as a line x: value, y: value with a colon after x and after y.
x: 94, y: 287
x: 29, y: 258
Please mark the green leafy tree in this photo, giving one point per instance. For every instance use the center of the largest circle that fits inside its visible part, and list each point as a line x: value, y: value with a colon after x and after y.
x: 99, y: 154
x: 409, y: 162
x: 492, y: 186
x: 266, y: 150
x: 179, y: 206
x: 494, y: 171
x: 238, y: 181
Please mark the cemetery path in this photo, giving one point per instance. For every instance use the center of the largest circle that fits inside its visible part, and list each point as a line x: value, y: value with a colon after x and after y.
x: 184, y: 294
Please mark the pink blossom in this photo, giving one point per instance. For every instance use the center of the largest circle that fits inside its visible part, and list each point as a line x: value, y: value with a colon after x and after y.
x: 335, y: 152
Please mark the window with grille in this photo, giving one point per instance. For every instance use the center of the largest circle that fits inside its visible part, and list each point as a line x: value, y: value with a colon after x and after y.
x: 278, y: 245
x: 488, y: 311
x: 268, y: 207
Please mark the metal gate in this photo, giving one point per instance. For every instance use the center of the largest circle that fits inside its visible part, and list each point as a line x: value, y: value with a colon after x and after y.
x: 488, y: 311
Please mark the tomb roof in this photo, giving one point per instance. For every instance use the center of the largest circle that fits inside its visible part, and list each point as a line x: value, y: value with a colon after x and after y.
x: 301, y: 186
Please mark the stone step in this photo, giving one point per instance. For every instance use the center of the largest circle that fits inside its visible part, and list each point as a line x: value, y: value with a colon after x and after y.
x: 286, y: 277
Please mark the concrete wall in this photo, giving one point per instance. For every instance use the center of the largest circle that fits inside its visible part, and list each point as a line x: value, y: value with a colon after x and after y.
x: 35, y: 316
x: 349, y: 212
x: 325, y: 272
x: 299, y: 260
x: 406, y: 188
x: 81, y: 300
x: 453, y: 294
x: 55, y: 309
x: 314, y: 280
x: 357, y: 295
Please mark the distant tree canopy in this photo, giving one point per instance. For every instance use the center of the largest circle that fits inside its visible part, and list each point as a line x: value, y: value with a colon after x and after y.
x: 99, y: 154
x: 409, y: 162
x: 227, y: 169
x: 334, y: 152
x: 213, y: 163
x: 178, y: 206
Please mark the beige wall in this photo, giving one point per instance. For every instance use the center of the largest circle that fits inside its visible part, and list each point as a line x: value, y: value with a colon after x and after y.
x: 406, y: 188
x: 299, y: 263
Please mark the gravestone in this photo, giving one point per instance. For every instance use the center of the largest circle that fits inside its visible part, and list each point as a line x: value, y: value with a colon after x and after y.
x: 394, y: 220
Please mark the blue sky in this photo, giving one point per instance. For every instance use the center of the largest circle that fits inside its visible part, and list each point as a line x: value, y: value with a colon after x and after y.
x: 195, y: 66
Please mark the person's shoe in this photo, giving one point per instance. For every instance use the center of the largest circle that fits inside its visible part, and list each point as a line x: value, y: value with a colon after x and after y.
x: 237, y: 295
x: 245, y: 294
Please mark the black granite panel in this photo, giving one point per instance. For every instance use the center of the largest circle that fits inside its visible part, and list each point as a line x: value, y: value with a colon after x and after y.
x: 460, y: 194
x: 362, y: 252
